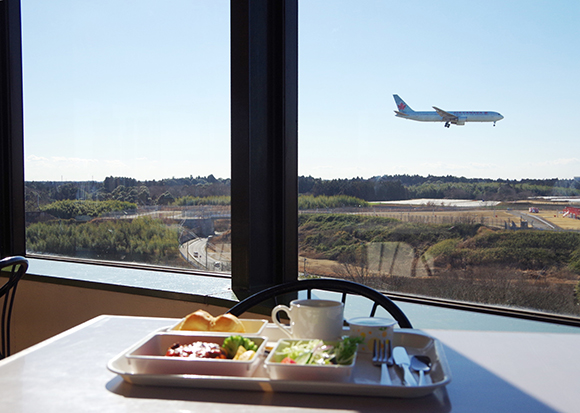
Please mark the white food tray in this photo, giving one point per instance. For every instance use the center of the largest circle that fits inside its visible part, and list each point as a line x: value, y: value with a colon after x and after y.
x: 364, y: 380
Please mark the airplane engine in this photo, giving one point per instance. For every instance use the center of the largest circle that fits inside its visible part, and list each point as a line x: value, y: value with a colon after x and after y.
x: 461, y: 120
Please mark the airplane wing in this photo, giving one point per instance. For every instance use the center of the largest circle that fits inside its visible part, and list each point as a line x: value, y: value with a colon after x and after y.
x: 448, y: 117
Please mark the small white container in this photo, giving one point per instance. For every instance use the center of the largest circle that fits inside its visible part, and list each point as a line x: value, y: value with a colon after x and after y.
x: 281, y: 371
x: 252, y: 326
x: 371, y: 329
x: 148, y: 356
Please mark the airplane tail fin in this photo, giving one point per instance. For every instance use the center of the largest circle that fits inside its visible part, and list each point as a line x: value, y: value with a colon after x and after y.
x: 402, y: 107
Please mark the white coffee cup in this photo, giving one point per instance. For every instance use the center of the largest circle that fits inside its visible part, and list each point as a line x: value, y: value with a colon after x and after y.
x: 322, y: 319
x: 371, y: 329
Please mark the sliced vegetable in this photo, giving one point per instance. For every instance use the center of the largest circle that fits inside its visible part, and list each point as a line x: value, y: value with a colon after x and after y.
x: 232, y: 343
x: 241, y: 350
x: 346, y: 349
x: 303, y: 358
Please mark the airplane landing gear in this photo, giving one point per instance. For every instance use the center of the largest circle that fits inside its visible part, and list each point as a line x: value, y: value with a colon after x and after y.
x: 446, y: 124
x: 494, y: 123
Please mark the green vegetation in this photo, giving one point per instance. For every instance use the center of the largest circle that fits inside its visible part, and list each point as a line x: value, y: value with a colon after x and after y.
x: 67, y: 209
x: 466, y: 262
x: 575, y: 261
x: 208, y: 200
x: 305, y: 202
x: 504, y: 191
x: 142, y: 239
x: 189, y: 191
x: 525, y: 250
x: 399, y: 187
x: 461, y: 259
x: 142, y: 193
x: 336, y: 237
x: 495, y: 285
x: 232, y: 343
x: 309, y: 202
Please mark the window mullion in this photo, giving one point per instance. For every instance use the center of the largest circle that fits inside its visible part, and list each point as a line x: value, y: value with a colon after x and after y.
x: 264, y: 51
x: 12, y: 222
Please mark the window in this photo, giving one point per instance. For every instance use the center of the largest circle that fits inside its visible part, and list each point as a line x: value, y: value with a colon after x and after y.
x: 272, y: 25
x: 442, y: 212
x: 127, y: 129
x: 346, y: 121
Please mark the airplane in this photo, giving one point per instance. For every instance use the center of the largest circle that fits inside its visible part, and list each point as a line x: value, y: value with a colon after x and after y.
x: 440, y: 115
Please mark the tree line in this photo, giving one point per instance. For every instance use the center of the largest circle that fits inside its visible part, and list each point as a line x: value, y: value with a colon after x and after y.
x: 401, y: 187
x: 140, y: 193
x: 381, y: 188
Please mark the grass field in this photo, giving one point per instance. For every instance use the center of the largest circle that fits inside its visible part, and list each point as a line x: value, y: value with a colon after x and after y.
x: 487, y: 216
x: 556, y: 218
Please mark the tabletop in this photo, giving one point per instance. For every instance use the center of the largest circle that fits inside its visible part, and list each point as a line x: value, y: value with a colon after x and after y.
x: 491, y: 371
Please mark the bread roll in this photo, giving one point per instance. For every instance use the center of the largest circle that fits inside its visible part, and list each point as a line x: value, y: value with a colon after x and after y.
x: 227, y: 323
x: 199, y: 320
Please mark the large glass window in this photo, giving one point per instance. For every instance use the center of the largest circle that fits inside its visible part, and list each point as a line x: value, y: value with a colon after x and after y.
x: 478, y: 212
x: 127, y: 131
x: 127, y: 128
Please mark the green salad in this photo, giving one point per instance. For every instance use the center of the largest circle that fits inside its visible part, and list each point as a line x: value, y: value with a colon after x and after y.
x: 318, y: 352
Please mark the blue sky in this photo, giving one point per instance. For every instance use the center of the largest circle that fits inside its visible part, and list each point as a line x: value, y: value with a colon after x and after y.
x: 130, y: 88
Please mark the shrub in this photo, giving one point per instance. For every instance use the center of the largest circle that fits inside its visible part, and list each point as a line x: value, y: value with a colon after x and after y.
x: 574, y: 264
x: 330, y: 202
x: 142, y: 239
x: 209, y: 200
x: 68, y: 209
x: 444, y: 252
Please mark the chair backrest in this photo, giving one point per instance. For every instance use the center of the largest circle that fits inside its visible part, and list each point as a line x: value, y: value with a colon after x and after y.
x: 13, y: 268
x: 336, y: 285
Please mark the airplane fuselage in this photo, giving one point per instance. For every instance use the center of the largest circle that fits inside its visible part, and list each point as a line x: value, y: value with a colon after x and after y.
x: 440, y: 115
x: 462, y: 117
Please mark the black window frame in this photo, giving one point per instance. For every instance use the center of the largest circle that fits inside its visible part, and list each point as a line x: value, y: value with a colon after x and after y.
x: 264, y: 131
x: 12, y: 218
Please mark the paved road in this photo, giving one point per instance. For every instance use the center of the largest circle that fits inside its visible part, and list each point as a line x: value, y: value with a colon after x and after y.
x: 196, y: 253
x: 535, y: 221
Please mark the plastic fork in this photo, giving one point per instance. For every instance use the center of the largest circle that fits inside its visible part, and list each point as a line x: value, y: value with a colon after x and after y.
x: 381, y: 358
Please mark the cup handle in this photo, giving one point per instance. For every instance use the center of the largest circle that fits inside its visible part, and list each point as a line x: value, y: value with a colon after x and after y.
x: 284, y: 328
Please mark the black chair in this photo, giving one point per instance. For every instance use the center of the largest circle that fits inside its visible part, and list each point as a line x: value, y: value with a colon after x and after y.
x: 14, y: 268
x: 335, y: 285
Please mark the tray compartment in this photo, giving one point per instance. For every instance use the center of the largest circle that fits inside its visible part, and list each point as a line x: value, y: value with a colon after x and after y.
x: 148, y: 356
x: 280, y: 371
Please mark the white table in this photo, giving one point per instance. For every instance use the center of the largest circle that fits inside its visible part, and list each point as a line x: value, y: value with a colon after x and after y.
x: 492, y: 372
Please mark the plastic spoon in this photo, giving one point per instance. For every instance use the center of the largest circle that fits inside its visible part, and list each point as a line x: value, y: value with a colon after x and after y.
x: 422, y: 365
